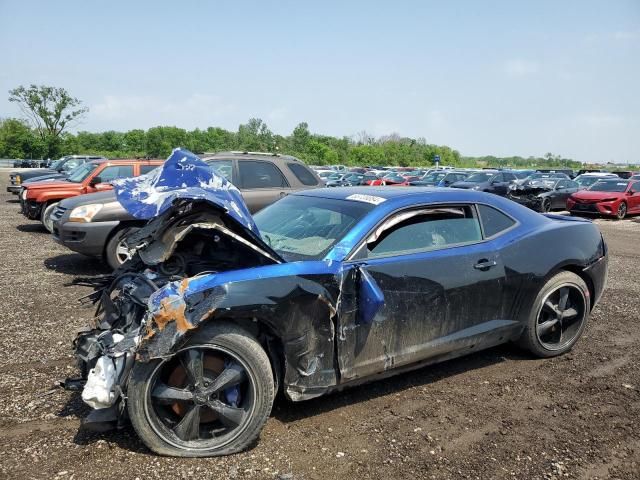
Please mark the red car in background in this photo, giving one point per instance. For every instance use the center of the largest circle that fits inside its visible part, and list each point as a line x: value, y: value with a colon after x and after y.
x: 610, y: 197
x: 391, y: 179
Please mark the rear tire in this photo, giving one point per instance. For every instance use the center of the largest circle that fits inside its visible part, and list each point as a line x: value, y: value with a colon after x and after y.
x: 45, y: 216
x: 558, y: 317
x: 162, y: 432
x: 115, y: 252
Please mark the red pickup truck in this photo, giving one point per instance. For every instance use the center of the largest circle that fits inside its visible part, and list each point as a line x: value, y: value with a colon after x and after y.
x: 39, y: 199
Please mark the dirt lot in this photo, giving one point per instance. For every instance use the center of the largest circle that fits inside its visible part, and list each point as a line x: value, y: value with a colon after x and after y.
x: 496, y: 414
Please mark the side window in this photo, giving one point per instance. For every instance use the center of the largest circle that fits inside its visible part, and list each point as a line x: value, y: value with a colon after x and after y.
x: 562, y: 184
x: 302, y: 173
x: 424, y: 229
x: 115, y: 171
x: 224, y: 168
x: 498, y: 178
x: 494, y: 221
x: 71, y: 164
x: 572, y: 184
x: 144, y: 169
x: 256, y: 174
x: 508, y: 177
x: 636, y: 187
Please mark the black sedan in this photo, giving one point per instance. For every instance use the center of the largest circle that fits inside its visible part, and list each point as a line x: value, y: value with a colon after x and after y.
x: 489, y: 181
x: 544, y: 195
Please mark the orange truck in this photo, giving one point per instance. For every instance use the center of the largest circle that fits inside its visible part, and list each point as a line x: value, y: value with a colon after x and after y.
x: 39, y: 199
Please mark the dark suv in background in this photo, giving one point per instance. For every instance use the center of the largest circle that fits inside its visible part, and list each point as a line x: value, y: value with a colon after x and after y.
x: 57, y: 169
x: 96, y: 224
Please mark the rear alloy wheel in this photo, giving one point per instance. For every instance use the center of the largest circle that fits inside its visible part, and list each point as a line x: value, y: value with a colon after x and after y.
x: 210, y: 398
x: 622, y: 211
x: 45, y: 217
x: 116, y: 251
x: 559, y: 316
x: 546, y: 205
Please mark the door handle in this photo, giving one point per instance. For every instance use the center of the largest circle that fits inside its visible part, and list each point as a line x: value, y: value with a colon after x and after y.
x: 283, y: 194
x: 485, y: 264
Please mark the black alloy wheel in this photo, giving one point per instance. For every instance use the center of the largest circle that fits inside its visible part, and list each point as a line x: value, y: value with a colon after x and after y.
x: 561, y: 317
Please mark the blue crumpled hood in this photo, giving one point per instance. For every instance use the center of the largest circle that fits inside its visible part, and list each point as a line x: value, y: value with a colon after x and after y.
x: 183, y: 175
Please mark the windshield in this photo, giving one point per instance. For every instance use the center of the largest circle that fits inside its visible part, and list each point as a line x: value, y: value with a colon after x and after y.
x: 479, y: 177
x: 305, y: 228
x: 78, y: 174
x: 433, y: 177
x: 55, y: 165
x: 541, y: 176
x: 587, y: 181
x: 609, y: 186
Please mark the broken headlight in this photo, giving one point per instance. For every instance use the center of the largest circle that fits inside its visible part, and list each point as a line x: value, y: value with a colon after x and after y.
x: 85, y: 213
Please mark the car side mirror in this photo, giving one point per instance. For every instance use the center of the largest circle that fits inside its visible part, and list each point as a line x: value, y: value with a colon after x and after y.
x: 631, y: 192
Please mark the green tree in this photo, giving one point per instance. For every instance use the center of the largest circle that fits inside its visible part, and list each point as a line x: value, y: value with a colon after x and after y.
x: 50, y: 110
x: 17, y: 140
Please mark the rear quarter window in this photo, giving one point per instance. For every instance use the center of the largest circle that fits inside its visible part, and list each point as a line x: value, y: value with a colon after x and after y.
x: 494, y: 221
x: 303, y: 174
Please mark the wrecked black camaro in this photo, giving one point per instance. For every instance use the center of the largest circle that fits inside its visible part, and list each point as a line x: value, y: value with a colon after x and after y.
x: 216, y: 311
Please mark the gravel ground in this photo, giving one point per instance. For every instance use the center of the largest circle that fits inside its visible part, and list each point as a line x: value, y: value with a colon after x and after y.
x: 495, y: 414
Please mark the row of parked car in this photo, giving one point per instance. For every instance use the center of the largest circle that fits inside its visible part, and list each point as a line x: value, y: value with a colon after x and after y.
x: 73, y: 198
x: 611, y: 194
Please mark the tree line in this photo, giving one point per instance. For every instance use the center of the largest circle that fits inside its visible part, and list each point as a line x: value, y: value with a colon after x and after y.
x: 19, y: 140
x: 52, y: 111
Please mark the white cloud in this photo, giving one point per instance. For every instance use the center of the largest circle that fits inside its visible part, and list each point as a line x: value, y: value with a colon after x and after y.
x: 521, y: 68
x: 600, y: 120
x: 627, y: 35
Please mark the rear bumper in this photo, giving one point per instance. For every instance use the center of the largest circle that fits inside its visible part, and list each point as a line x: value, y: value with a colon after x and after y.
x: 86, y: 238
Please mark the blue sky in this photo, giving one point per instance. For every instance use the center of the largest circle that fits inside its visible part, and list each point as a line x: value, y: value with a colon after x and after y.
x: 485, y: 77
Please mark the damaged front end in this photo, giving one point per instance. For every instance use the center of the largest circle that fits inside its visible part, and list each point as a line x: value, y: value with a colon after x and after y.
x: 529, y: 195
x: 198, y: 225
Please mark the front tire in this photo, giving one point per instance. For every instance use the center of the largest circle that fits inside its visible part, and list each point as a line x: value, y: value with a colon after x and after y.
x: 622, y: 211
x: 115, y: 252
x: 45, y: 216
x: 546, y: 205
x: 211, y: 398
x: 559, y: 316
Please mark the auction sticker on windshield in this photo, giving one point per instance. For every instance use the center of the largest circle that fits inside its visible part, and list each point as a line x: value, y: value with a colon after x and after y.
x: 358, y: 197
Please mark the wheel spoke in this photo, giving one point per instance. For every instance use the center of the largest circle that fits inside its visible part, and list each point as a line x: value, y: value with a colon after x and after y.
x: 191, y: 360
x: 549, y: 305
x: 569, y: 313
x: 230, y: 376
x: 230, y: 416
x: 165, y: 394
x: 564, y: 297
x: 545, y: 327
x: 122, y: 250
x: 189, y: 427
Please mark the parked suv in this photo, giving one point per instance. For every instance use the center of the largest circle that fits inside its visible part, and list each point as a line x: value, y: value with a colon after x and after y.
x: 39, y: 199
x: 58, y: 169
x: 96, y: 224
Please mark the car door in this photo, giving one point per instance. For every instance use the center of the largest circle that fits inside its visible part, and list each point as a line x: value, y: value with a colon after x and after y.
x: 440, y: 287
x: 261, y: 183
x: 103, y: 178
x: 633, y: 200
x: 564, y: 188
x: 496, y: 184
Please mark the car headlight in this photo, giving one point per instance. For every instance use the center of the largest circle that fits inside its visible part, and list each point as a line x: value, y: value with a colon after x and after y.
x: 608, y: 199
x: 477, y: 187
x: 23, y: 194
x: 85, y: 213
